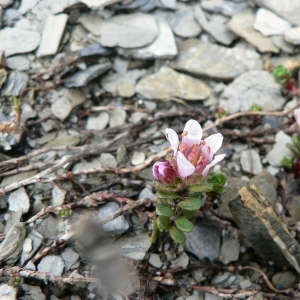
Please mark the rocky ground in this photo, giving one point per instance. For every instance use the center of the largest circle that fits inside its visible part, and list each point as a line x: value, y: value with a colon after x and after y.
x: 87, y: 90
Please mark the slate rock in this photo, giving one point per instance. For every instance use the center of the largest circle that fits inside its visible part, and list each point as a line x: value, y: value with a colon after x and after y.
x: 282, y: 44
x: 17, y: 40
x: 292, y: 35
x: 138, y: 158
x: 242, y: 25
x: 218, y: 31
x: 163, y: 46
x: 227, y: 8
x: 27, y: 113
x: 15, y: 84
x: 116, y: 226
x: 99, y: 4
x: 253, y: 87
x: 11, y: 247
x: 279, y: 149
x: 146, y: 193
x: 130, y: 31
x: 230, y: 251
x: 81, y: 78
x: 168, y: 83
x: 204, y: 240
x: 35, y: 292
x: 8, y: 292
x: 284, y: 280
x: 36, y: 242
x: 52, y: 264
x: 154, y: 260
x: 250, y: 161
x: 52, y: 33
x: 92, y: 23
x: 62, y: 107
x: 184, y: 24
x: 117, y: 118
x: 181, y: 261
x: 18, y: 62
x: 287, y: 9
x: 70, y: 257
x: 97, y: 122
x: 108, y: 160
x: 294, y: 208
x: 269, y: 23
x: 217, y: 62
x: 95, y: 50
x: 19, y: 199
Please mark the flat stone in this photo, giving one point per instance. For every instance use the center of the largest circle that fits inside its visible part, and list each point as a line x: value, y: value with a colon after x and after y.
x: 112, y: 82
x: 35, y: 292
x: 146, y: 193
x: 52, y: 33
x: 216, y: 62
x: 81, y: 78
x: 163, y: 46
x: 184, y: 24
x: 230, y: 251
x: 245, y: 284
x: 294, y: 208
x: 117, y: 118
x: 8, y: 292
x: 97, y: 122
x: 15, y: 84
x: 17, y: 177
x: 11, y: 247
x: 48, y: 227
x: 242, y: 25
x: 52, y: 264
x: 108, y: 160
x: 58, y: 196
x: 292, y: 35
x: 284, y: 280
x: 138, y: 158
x: 70, y: 257
x: 167, y: 83
x: 18, y: 62
x: 36, y: 242
x: 288, y: 9
x: 218, y: 31
x: 27, y: 246
x: 279, y: 149
x: 19, y: 199
x: 130, y: 31
x: 95, y: 49
x: 116, y: 226
x: 204, y: 240
x: 282, y: 44
x: 126, y: 89
x: 250, y: 161
x: 27, y: 113
x: 154, y: 260
x: 268, y: 23
x: 26, y: 5
x: 181, y: 261
x: 220, y: 279
x: 62, y: 107
x: 227, y: 8
x: 5, y: 3
x: 16, y: 40
x: 253, y: 87
x: 92, y: 23
x: 99, y: 4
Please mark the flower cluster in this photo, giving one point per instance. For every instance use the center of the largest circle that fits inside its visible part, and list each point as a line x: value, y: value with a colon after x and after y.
x: 193, y: 156
x: 182, y: 178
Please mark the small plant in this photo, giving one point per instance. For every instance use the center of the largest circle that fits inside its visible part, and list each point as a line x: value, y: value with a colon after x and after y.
x: 183, y: 177
x: 65, y: 212
x: 284, y: 77
x: 221, y: 113
x: 255, y: 107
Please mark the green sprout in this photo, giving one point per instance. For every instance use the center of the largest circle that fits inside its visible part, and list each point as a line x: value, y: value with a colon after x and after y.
x: 65, y: 212
x: 221, y: 113
x: 255, y: 107
x: 281, y: 74
x: 287, y: 162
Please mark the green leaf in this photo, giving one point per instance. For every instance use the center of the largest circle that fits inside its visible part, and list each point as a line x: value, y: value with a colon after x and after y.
x: 164, y: 222
x: 189, y: 213
x: 191, y: 203
x: 168, y: 195
x: 184, y: 224
x: 164, y: 210
x: 177, y: 235
x: 201, y: 188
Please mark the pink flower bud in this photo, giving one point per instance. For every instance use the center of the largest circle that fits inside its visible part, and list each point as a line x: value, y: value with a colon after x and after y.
x: 163, y: 172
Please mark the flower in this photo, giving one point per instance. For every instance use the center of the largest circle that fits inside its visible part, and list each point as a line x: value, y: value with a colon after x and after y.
x: 163, y: 172
x: 193, y: 155
x: 297, y: 115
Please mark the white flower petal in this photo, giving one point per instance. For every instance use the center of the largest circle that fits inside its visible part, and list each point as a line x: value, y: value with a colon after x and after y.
x: 217, y: 159
x: 297, y: 115
x: 184, y: 167
x: 194, y: 133
x: 214, y: 141
x: 172, y: 137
